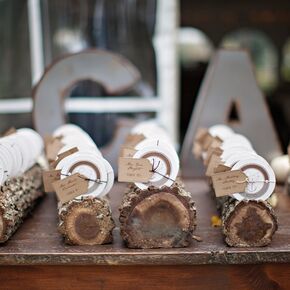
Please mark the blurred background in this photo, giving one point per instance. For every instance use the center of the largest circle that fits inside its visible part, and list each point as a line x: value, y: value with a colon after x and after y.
x: 170, y: 42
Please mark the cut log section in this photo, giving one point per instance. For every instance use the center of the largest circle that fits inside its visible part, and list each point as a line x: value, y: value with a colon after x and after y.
x: 247, y: 223
x: 18, y: 196
x: 86, y: 221
x: 157, y: 218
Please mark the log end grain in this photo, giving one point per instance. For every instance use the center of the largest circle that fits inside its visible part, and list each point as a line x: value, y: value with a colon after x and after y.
x: 86, y: 222
x: 157, y: 218
x: 249, y: 224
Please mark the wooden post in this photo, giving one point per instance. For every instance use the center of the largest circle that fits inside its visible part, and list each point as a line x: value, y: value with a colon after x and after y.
x: 86, y: 221
x: 157, y: 218
x: 18, y: 196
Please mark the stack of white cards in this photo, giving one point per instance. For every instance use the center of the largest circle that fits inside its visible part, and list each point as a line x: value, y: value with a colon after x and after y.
x: 18, y: 152
x: 157, y: 147
x: 239, y: 154
x: 87, y: 161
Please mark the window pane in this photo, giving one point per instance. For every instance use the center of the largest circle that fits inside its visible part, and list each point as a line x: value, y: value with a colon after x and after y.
x: 124, y: 27
x: 15, y: 76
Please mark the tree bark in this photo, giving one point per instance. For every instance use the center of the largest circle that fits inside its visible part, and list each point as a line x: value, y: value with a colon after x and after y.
x: 247, y: 223
x: 18, y: 196
x: 86, y: 222
x: 157, y: 218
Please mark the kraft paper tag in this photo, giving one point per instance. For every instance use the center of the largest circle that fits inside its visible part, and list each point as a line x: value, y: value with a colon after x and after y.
x: 221, y: 168
x: 133, y: 139
x: 70, y: 187
x: 52, y: 148
x: 8, y: 132
x: 50, y: 177
x: 215, y: 143
x: 214, y: 162
x: 207, y: 140
x: 134, y: 170
x: 196, y: 150
x: 127, y: 151
x: 212, y: 150
x: 229, y: 182
x: 200, y: 134
x: 63, y: 155
x: 201, y: 139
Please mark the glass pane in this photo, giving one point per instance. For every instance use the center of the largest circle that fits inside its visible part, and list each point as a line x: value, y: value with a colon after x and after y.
x: 15, y: 75
x: 15, y: 80
x: 124, y: 27
x: 14, y: 120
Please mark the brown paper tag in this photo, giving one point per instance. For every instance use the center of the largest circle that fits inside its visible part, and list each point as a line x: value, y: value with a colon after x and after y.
x: 52, y: 148
x: 201, y: 140
x: 229, y: 182
x: 196, y: 150
x: 215, y: 143
x: 221, y: 168
x: 8, y: 132
x: 127, y: 151
x: 70, y: 187
x: 50, y: 177
x: 133, y: 139
x: 61, y: 156
x: 134, y: 170
x: 212, y: 150
x: 200, y: 134
x: 214, y: 162
x: 208, y: 139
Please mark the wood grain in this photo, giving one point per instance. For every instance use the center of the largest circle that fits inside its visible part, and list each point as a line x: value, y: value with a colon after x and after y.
x: 157, y: 218
x: 271, y: 276
x: 49, y: 249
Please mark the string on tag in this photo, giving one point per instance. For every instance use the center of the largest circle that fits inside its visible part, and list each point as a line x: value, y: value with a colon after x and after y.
x: 254, y: 181
x: 154, y: 170
x: 88, y: 179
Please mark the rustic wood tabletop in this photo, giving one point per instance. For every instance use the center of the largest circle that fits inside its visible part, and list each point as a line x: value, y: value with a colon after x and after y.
x: 37, y: 242
x: 37, y: 258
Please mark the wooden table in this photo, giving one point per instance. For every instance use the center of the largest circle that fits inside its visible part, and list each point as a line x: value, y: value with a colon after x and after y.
x: 37, y: 258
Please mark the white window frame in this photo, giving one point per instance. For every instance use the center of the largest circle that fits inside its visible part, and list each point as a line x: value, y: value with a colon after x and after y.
x: 165, y: 104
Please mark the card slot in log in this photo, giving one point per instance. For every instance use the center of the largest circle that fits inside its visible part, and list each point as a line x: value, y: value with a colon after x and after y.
x: 157, y: 218
x: 86, y: 221
x: 247, y: 223
x: 18, y: 196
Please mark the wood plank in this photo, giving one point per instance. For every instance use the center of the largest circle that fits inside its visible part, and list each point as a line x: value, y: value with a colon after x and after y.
x: 270, y: 276
x: 37, y: 242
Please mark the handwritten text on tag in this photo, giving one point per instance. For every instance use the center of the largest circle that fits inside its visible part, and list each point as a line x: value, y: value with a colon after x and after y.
x: 134, y: 170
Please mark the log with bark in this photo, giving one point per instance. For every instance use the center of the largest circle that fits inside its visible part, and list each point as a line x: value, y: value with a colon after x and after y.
x: 86, y: 221
x: 247, y: 223
x: 157, y: 218
x: 18, y: 196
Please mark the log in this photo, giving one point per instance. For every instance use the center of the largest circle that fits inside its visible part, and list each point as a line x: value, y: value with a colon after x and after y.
x: 157, y: 217
x: 18, y: 196
x: 247, y: 223
x: 86, y: 221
